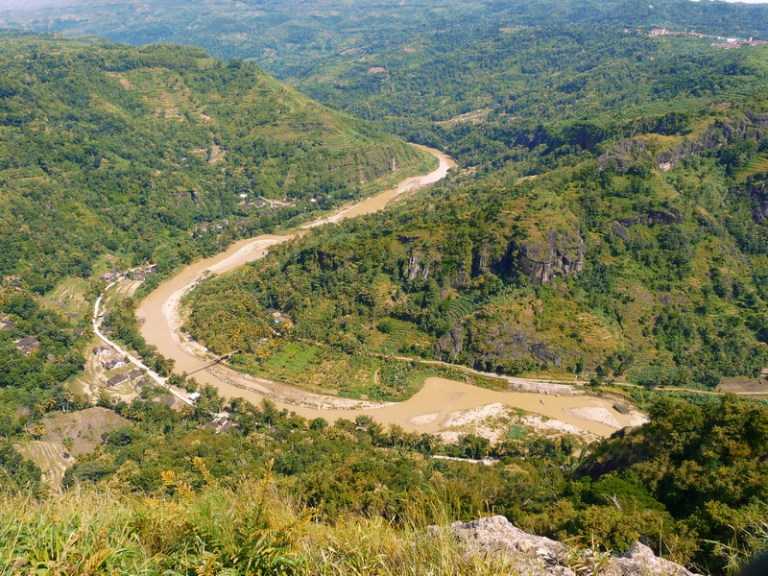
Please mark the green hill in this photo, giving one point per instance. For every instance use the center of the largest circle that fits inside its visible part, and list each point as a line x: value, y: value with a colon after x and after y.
x: 149, y: 153
x: 421, y: 67
x: 639, y: 250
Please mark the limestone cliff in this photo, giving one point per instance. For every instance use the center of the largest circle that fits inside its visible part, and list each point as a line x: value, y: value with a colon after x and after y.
x: 559, y: 254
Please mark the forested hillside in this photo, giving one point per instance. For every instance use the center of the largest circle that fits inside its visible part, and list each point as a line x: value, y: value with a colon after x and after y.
x: 293, y: 38
x: 143, y: 152
x: 631, y: 244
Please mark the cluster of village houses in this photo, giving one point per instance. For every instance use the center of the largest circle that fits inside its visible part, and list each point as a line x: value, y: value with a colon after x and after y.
x: 110, y: 360
x: 720, y: 41
x: 29, y: 345
x: 114, y: 364
x: 137, y: 274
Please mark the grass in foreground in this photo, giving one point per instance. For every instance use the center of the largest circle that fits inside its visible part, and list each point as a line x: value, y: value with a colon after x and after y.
x: 249, y: 529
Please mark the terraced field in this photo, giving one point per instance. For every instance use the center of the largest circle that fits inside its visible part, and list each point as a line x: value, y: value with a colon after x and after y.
x: 51, y: 457
x: 63, y: 436
x: 759, y: 165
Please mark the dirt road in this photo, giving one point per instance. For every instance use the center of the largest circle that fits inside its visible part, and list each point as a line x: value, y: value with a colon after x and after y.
x: 436, y: 404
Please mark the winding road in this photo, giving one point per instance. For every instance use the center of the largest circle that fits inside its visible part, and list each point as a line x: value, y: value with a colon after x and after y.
x: 439, y: 403
x: 96, y: 321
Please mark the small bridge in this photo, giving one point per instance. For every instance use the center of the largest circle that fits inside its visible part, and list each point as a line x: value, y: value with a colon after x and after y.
x: 218, y: 360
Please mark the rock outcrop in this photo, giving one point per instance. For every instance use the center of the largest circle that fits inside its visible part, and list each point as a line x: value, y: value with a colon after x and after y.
x: 503, y: 347
x: 418, y: 267
x: 451, y: 343
x: 560, y: 254
x: 720, y: 134
x: 654, y: 217
x: 758, y: 191
x: 531, y: 555
x: 640, y: 560
x: 638, y: 154
x: 626, y: 156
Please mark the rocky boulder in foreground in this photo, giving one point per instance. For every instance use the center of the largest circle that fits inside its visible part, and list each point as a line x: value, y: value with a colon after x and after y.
x: 538, y: 556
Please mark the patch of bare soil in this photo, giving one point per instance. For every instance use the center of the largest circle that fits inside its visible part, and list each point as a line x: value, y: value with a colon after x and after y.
x: 81, y: 430
x: 549, y: 425
x: 745, y: 386
x: 51, y: 457
x: 596, y: 414
x: 122, y: 80
x: 215, y: 154
x: 167, y: 107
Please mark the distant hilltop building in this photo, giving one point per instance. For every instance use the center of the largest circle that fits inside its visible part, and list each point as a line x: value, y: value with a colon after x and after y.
x: 731, y: 43
x: 720, y: 41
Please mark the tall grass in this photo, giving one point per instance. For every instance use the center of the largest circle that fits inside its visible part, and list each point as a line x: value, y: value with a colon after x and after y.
x: 743, y: 543
x: 361, y: 547
x: 249, y: 529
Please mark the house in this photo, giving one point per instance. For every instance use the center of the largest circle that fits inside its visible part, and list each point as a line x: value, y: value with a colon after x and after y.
x: 281, y: 320
x: 118, y: 379
x: 28, y: 345
x: 112, y: 363
x: 656, y: 32
x: 140, y: 274
x: 102, y: 350
x: 110, y: 276
x: 134, y: 374
x: 7, y: 324
x: 221, y: 423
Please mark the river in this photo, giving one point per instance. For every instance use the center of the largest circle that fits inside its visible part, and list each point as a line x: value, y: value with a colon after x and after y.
x: 439, y: 402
